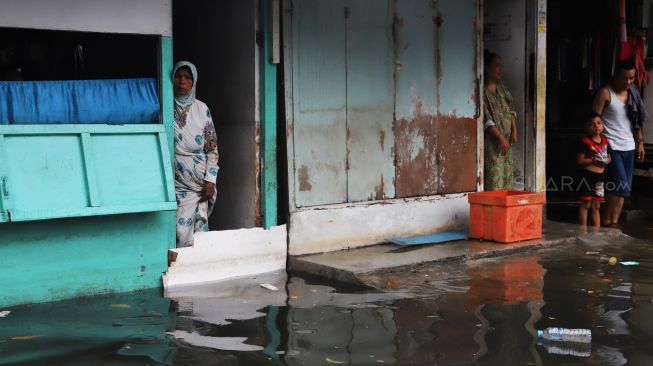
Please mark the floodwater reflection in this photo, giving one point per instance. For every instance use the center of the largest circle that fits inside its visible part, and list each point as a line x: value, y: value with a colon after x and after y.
x: 484, y: 312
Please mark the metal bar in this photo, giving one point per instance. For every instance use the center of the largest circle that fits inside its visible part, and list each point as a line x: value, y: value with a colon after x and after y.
x: 480, y: 85
x: 44, y: 214
x: 540, y: 99
x: 78, y: 129
x: 276, y: 35
x: 89, y: 165
x: 289, y: 41
x: 168, y: 120
x: 268, y: 121
x: 5, y: 191
x: 167, y: 163
x: 167, y: 98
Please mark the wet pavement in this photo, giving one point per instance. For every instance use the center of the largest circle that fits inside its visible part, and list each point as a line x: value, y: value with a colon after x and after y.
x: 479, y: 312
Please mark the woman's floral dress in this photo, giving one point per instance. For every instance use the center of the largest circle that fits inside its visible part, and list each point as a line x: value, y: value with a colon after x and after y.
x: 499, y: 169
x: 196, y: 162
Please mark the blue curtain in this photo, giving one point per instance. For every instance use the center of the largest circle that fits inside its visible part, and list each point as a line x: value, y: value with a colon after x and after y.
x: 117, y: 101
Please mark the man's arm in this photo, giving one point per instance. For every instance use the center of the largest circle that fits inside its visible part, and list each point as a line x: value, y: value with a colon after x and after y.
x: 639, y: 144
x: 601, y: 99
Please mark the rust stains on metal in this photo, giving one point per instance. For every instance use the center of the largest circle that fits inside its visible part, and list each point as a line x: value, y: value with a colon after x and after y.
x: 258, y: 220
x: 416, y: 153
x: 438, y: 20
x: 380, y: 190
x: 347, y: 160
x: 438, y: 61
x: 399, y: 21
x: 382, y: 139
x: 304, y: 184
x: 290, y: 129
x: 457, y: 141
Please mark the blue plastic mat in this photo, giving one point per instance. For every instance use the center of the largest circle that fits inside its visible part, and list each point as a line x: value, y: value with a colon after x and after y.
x: 431, y: 238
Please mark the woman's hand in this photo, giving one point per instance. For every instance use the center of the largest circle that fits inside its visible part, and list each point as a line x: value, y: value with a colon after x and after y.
x: 207, y: 191
x: 504, y: 146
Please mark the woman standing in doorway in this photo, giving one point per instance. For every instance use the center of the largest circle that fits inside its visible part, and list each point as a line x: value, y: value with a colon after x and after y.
x: 196, y: 156
x: 500, y: 126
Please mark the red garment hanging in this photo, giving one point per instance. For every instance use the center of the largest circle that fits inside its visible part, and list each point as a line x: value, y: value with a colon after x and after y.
x: 633, y: 49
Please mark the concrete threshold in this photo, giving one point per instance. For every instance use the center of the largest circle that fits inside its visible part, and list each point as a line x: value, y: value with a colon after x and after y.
x: 351, y: 266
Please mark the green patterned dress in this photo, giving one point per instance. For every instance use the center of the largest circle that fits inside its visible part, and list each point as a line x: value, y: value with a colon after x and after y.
x: 498, y: 110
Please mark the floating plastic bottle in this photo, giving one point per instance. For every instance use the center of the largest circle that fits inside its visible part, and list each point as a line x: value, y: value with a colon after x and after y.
x: 566, y: 335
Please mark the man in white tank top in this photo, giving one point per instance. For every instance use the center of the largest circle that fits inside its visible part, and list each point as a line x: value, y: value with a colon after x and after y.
x: 624, y: 136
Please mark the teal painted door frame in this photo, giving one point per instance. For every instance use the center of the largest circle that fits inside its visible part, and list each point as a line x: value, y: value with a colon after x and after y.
x: 167, y: 117
x: 268, y: 92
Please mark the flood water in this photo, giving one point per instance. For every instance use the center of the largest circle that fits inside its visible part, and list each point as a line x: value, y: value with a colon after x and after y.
x: 482, y: 312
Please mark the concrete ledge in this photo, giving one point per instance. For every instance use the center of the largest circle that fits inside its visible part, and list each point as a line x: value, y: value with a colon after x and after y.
x: 351, y: 266
x: 220, y: 255
x: 336, y: 227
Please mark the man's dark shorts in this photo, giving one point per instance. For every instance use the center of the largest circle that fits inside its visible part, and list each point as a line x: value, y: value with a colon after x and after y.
x: 619, y: 173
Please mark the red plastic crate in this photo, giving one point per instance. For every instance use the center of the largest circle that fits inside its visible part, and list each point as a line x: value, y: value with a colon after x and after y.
x: 505, y: 216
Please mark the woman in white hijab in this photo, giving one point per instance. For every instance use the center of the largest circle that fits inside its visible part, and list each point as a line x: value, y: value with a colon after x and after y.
x: 196, y: 156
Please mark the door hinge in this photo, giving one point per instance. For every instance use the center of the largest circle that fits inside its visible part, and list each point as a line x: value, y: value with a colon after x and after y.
x: 5, y: 189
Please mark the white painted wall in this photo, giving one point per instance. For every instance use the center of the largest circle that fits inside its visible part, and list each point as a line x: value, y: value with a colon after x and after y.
x: 111, y: 16
x: 336, y: 227
x: 220, y: 255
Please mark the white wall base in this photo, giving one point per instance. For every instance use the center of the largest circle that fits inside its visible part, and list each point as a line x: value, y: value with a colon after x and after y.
x: 337, y: 227
x: 220, y: 255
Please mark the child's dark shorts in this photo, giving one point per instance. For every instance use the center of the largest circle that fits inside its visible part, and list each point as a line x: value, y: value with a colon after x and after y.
x: 591, y: 186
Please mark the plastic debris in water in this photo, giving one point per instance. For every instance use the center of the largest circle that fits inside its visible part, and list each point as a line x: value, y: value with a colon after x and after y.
x: 4, y: 313
x: 27, y: 338
x: 566, y: 335
x: 330, y: 360
x: 121, y: 306
x: 269, y: 287
x: 630, y: 263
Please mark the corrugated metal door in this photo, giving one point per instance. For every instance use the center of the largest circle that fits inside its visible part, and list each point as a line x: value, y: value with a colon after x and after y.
x: 370, y: 100
x: 320, y: 102
x: 384, y: 98
x: 416, y: 96
x: 458, y: 91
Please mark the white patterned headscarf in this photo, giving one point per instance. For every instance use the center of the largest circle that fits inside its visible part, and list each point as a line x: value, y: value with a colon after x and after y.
x: 183, y: 101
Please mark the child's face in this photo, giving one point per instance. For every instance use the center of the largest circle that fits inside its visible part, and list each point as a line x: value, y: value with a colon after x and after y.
x: 594, y: 126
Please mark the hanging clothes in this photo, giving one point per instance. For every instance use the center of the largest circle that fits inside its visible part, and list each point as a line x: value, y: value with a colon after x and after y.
x: 633, y: 49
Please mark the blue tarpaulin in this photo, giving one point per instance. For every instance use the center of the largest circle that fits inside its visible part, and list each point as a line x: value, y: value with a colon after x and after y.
x: 431, y: 238
x: 115, y: 101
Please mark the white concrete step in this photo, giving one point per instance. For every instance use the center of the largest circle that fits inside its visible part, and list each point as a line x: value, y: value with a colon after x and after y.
x: 221, y: 255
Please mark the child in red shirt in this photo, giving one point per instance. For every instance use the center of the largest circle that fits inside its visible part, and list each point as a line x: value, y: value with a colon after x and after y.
x: 593, y: 156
